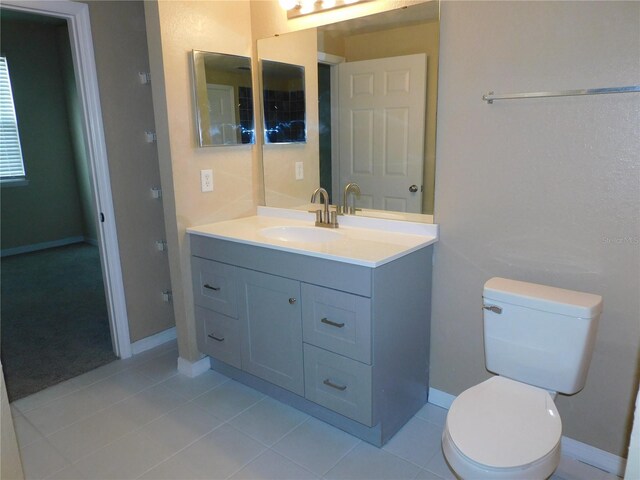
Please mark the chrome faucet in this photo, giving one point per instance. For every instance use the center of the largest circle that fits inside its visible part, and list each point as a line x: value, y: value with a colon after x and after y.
x: 350, y: 188
x: 326, y: 218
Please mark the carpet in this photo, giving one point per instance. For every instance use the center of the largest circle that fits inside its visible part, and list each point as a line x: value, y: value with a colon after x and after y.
x: 54, y: 322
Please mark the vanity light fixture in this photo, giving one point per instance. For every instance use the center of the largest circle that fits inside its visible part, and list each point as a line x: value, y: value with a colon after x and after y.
x: 297, y: 8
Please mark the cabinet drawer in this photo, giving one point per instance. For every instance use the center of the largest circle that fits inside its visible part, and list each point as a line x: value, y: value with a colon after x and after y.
x: 338, y: 383
x: 337, y: 321
x: 215, y: 286
x: 218, y: 336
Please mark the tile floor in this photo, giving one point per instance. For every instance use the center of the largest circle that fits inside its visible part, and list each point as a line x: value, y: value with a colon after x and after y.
x: 138, y: 418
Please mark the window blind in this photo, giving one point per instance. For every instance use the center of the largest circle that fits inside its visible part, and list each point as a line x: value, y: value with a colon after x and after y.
x: 11, y: 164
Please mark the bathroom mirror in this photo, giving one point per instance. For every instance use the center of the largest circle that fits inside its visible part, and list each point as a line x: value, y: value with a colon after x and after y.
x: 335, y: 131
x: 223, y: 99
x: 283, y: 102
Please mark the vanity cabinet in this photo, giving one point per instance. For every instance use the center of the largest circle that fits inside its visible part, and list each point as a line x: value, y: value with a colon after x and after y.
x: 344, y: 342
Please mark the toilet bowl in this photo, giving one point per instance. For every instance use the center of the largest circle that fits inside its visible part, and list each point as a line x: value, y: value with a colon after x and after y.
x: 503, y: 429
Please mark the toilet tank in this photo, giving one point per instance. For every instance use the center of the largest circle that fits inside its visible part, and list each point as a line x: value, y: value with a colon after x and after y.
x: 539, y: 335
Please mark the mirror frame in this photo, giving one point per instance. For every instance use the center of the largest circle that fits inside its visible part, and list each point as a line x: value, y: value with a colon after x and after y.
x: 198, y: 113
x: 263, y: 100
x: 426, y: 13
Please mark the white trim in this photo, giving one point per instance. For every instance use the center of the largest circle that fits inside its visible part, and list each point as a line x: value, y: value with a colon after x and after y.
x: 593, y: 456
x: 77, y: 16
x: 153, y: 341
x: 440, y: 398
x: 571, y: 448
x: 193, y: 369
x: 329, y: 58
x: 34, y: 247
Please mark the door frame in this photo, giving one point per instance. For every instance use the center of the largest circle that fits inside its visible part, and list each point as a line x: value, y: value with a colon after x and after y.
x: 77, y: 16
x: 333, y: 61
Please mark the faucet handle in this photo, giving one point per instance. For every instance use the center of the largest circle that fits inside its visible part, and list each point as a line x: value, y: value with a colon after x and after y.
x: 333, y: 219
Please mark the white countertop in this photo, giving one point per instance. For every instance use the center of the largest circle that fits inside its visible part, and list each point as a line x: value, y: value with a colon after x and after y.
x: 363, y: 241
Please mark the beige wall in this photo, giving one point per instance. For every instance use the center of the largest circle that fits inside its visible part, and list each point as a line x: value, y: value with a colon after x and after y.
x: 175, y: 28
x: 422, y: 38
x: 542, y: 190
x: 119, y: 41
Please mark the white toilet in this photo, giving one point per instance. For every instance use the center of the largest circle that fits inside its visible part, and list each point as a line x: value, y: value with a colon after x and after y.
x: 539, y: 340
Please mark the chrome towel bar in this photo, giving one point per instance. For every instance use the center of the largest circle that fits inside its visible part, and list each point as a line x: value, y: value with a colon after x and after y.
x: 490, y: 97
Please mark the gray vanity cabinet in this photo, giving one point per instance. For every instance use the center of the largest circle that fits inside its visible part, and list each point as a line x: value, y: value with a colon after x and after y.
x: 346, y: 343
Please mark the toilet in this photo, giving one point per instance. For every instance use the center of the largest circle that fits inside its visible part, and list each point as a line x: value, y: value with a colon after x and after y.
x: 539, y: 341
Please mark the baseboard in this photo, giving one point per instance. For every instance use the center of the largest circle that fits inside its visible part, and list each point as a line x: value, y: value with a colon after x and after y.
x: 593, y: 456
x: 193, y: 369
x: 153, y: 341
x: 571, y: 448
x: 440, y: 398
x: 6, y: 252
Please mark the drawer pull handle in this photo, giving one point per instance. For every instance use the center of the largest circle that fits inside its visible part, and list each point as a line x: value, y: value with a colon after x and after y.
x: 329, y: 383
x: 217, y: 339
x: 493, y: 308
x: 333, y: 324
x: 215, y: 289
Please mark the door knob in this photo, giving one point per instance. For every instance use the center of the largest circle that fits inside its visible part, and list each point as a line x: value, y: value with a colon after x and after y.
x: 413, y: 188
x: 292, y: 300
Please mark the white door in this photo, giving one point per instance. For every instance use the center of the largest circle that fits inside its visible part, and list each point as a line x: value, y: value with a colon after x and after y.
x: 382, y: 125
x: 222, y: 114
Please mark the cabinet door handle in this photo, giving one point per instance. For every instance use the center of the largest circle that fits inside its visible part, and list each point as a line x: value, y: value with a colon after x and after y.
x: 329, y: 383
x: 215, y: 289
x: 292, y: 300
x: 333, y: 324
x: 217, y: 339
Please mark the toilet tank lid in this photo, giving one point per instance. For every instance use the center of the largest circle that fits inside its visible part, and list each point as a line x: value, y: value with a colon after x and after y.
x: 543, y: 297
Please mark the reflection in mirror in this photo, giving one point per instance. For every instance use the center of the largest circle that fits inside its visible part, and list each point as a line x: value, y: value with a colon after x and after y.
x: 223, y: 99
x: 388, y: 146
x: 283, y: 102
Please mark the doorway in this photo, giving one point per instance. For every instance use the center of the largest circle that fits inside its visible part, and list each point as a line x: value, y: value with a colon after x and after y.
x: 100, y: 250
x: 378, y: 106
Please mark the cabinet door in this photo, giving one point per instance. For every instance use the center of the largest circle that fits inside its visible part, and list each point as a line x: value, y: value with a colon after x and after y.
x: 272, y: 336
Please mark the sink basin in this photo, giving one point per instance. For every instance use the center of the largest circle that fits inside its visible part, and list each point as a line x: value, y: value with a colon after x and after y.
x: 301, y: 234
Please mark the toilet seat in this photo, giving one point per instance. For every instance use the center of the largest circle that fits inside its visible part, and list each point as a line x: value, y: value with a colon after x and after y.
x: 502, y: 427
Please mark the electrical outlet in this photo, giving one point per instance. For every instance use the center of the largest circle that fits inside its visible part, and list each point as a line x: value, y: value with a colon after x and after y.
x: 299, y: 170
x: 206, y: 180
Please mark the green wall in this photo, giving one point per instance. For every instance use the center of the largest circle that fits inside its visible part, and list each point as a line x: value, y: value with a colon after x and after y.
x: 48, y: 208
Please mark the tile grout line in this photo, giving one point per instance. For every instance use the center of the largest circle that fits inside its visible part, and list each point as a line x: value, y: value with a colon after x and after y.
x: 152, y: 385
x: 343, y: 456
x: 223, y: 422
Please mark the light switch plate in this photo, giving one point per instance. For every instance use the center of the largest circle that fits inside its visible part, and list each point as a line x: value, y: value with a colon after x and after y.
x: 299, y: 171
